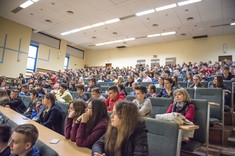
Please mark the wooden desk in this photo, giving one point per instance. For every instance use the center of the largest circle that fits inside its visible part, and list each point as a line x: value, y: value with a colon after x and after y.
x: 64, y: 147
x: 213, y: 104
x: 188, y: 127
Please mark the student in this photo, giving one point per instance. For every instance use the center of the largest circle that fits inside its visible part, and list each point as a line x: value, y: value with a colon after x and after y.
x: 5, y: 134
x: 151, y: 91
x: 122, y: 89
x: 182, y: 104
x: 4, y: 98
x: 176, y: 83
x: 135, y: 84
x: 90, y: 126
x: 32, y: 105
x: 95, y: 94
x: 52, y: 115
x: 146, y: 78
x: 130, y: 81
x: 23, y: 139
x: 38, y: 88
x: 92, y: 84
x: 124, y: 136
x: 143, y: 103
x: 64, y: 95
x: 114, y: 96
x: 80, y: 91
x: 24, y: 90
x: 167, y: 91
x: 76, y: 109
x: 16, y: 103
x: 72, y: 87
x: 196, y: 82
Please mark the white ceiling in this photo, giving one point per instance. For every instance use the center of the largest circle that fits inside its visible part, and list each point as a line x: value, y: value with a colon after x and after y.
x: 87, y: 12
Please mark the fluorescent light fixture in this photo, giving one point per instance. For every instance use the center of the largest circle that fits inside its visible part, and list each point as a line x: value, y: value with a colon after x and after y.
x: 75, y: 30
x: 110, y: 42
x: 155, y: 35
x: 129, y: 39
x: 35, y: 0
x: 166, y: 7
x: 118, y: 41
x: 86, y: 27
x: 26, y: 4
x: 99, y: 44
x: 232, y: 23
x: 65, y: 33
x: 188, y: 2
x: 98, y: 24
x: 168, y: 33
x: 145, y: 12
x: 112, y: 21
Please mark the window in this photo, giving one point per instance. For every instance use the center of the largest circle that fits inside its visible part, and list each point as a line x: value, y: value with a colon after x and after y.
x: 155, y: 63
x: 141, y: 62
x: 66, y: 62
x: 170, y: 61
x: 32, y: 57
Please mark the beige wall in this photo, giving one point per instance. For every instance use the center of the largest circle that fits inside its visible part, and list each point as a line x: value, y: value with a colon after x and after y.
x: 11, y: 67
x: 184, y: 51
x: 15, y: 32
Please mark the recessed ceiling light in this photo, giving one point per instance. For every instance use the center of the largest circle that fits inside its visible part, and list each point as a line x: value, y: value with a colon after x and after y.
x: 183, y: 34
x: 52, y: 3
x: 26, y: 4
x: 190, y: 18
x: 112, y: 21
x: 154, y: 35
x: 186, y: 10
x: 232, y: 23
x: 70, y: 12
x: 168, y: 33
x: 115, y: 33
x: 155, y: 25
x: 31, y: 13
x: 48, y: 21
x: 93, y: 37
x: 98, y: 24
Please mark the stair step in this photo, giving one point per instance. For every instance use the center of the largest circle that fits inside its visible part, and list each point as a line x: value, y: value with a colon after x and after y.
x: 231, y: 141
x: 227, y: 153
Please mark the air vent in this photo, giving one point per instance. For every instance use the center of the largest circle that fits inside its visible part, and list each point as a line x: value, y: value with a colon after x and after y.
x: 201, y: 36
x: 220, y: 25
x: 121, y: 47
x: 16, y: 10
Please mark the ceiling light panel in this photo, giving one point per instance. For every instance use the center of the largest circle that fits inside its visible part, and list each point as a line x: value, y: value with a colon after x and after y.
x: 232, y: 23
x: 112, y: 21
x: 166, y: 7
x: 145, y: 12
x: 188, y: 2
x: 98, y: 24
x: 168, y: 33
x: 26, y: 4
x: 154, y: 35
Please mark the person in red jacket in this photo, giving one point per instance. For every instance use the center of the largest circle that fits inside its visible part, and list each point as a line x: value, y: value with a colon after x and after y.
x: 182, y: 104
x: 114, y: 96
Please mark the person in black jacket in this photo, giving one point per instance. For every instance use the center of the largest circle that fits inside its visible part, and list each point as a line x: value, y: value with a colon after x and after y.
x: 16, y: 103
x: 124, y: 135
x: 52, y: 115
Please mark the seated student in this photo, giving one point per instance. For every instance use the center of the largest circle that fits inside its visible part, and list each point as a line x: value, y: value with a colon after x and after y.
x: 72, y: 87
x: 182, y: 104
x: 160, y: 82
x: 24, y: 90
x: 108, y: 79
x: 130, y: 81
x: 113, y: 96
x: 226, y: 75
x: 95, y: 94
x: 176, y: 84
x: 166, y: 73
x: 135, y: 84
x: 155, y: 78
x: 80, y: 91
x: 146, y: 78
x: 151, y: 91
x: 124, y: 136
x: 189, y: 77
x: 23, y: 139
x: 196, y: 82
x: 167, y: 91
x: 16, y: 103
x: 122, y: 89
x: 5, y: 134
x: 143, y: 103
x: 4, y: 98
x: 52, y: 115
x: 90, y: 126
x: 39, y: 89
x: 92, y: 84
x: 64, y: 95
x: 203, y: 76
x: 76, y: 109
x: 32, y: 105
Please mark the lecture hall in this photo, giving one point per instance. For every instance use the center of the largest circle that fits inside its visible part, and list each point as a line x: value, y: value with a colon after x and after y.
x: 117, y: 77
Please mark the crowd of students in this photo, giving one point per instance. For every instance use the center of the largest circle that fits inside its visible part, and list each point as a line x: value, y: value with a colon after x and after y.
x: 88, y: 123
